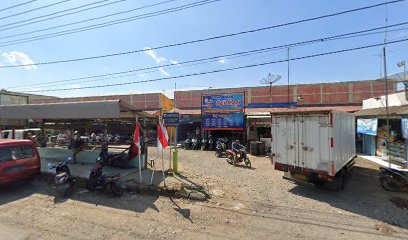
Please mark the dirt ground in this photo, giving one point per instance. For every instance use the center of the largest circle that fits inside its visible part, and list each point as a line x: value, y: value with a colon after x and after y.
x: 245, y: 204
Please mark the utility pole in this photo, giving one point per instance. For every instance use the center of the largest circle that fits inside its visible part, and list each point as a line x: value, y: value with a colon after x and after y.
x: 386, y: 85
x: 174, y: 110
x: 288, y: 76
x: 386, y: 103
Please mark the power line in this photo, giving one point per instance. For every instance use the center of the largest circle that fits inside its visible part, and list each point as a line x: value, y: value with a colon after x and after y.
x: 188, y: 42
x: 17, y: 5
x: 228, y: 56
x: 34, y: 9
x: 78, y: 22
x: 30, y: 21
x: 99, y: 25
x: 223, y: 70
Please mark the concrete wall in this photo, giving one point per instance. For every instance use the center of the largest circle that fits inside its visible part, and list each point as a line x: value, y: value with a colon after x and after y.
x: 396, y: 99
x: 85, y: 157
x: 320, y: 93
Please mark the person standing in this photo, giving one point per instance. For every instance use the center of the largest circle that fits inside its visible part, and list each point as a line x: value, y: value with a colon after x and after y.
x: 79, y: 146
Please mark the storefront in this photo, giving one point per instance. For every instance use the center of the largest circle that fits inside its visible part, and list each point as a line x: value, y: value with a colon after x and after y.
x: 259, y: 127
x: 223, y: 116
x: 190, y: 124
x: 373, y: 137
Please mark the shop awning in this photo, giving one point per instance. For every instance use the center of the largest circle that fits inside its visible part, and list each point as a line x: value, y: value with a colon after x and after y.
x: 393, y: 111
x: 110, y: 109
x: 260, y: 111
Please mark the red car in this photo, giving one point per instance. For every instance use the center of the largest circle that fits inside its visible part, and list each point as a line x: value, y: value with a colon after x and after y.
x: 19, y: 160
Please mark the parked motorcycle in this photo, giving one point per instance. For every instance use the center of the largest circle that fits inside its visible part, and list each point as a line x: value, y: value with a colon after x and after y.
x: 187, y: 143
x: 117, y: 160
x: 240, y: 156
x: 110, y: 183
x: 394, y: 180
x: 63, y: 179
x: 211, y: 143
x: 221, y: 148
x: 195, y: 143
x: 204, y: 144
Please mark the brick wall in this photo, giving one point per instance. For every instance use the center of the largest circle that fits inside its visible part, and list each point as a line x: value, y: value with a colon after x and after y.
x: 341, y: 93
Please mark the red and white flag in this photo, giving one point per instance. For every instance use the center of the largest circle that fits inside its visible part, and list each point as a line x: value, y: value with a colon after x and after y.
x: 136, y: 136
x: 162, y: 137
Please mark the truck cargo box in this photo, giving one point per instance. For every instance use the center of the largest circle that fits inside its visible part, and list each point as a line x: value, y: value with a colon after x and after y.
x: 319, y: 142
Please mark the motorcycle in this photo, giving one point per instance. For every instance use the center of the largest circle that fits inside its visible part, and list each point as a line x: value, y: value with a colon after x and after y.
x: 220, y: 149
x: 394, y: 180
x: 195, y: 143
x: 204, y: 144
x: 210, y: 143
x: 109, y: 183
x: 187, y: 143
x: 240, y: 156
x: 116, y: 160
x: 63, y: 179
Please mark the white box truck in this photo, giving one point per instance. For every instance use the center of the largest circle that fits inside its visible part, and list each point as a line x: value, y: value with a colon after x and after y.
x: 314, y: 146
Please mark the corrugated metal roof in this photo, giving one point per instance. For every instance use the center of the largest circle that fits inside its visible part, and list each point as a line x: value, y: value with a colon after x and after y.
x: 262, y: 111
x: 75, y: 110
x: 393, y: 111
x: 187, y: 111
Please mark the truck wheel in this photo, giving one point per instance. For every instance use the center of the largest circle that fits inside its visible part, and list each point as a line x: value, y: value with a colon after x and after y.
x: 338, y: 182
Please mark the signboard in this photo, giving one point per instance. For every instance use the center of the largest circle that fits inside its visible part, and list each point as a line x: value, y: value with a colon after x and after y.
x: 259, y: 122
x: 223, y: 121
x: 223, y: 103
x: 367, y: 126
x: 189, y: 118
x: 171, y: 119
x: 404, y: 127
x: 223, y: 111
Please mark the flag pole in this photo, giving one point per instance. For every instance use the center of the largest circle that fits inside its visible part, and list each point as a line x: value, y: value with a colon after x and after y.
x: 164, y: 178
x: 139, y: 150
x: 170, y: 155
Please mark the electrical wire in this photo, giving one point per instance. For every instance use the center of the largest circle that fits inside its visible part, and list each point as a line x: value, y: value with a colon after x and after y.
x: 30, y: 21
x: 178, y: 44
x: 227, y: 56
x: 100, y: 25
x: 221, y: 70
x: 34, y: 9
x: 17, y: 5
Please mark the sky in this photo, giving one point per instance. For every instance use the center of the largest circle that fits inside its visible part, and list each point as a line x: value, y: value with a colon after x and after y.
x: 209, y: 20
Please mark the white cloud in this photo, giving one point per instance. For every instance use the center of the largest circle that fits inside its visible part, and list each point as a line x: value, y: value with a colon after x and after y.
x: 174, y: 62
x: 149, y: 51
x: 222, y: 61
x: 19, y: 58
x: 164, y: 72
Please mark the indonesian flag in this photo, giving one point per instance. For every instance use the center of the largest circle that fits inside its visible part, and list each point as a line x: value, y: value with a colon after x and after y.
x: 136, y: 138
x: 162, y: 137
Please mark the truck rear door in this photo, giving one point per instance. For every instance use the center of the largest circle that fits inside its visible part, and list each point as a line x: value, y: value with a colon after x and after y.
x: 284, y: 139
x: 314, y: 140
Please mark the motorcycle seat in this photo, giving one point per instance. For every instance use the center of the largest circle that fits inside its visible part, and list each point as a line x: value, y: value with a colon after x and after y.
x: 111, y: 175
x: 62, y: 174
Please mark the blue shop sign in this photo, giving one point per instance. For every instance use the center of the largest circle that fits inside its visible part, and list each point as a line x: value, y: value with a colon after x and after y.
x: 223, y: 121
x: 223, y: 103
x: 171, y: 119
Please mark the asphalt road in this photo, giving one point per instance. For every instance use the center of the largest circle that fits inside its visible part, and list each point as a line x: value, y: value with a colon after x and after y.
x: 245, y: 204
